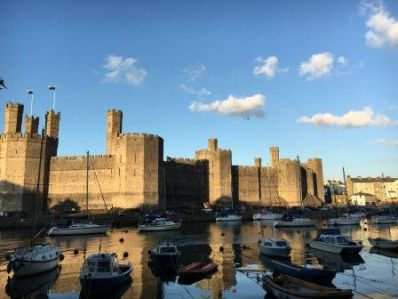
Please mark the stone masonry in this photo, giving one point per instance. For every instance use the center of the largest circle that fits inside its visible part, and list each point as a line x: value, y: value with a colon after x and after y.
x: 133, y: 172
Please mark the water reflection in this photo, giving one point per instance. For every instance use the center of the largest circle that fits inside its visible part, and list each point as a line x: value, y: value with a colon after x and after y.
x: 238, y: 242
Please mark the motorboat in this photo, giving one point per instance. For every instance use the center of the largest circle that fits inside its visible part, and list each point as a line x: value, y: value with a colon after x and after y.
x: 336, y: 262
x: 384, y: 243
x: 225, y: 216
x: 101, y: 272
x: 347, y: 220
x: 159, y: 224
x: 196, y: 271
x: 286, y: 286
x: 294, y: 222
x: 267, y: 216
x: 33, y: 260
x: 78, y: 229
x: 331, y: 240
x: 275, y: 247
x: 36, y: 286
x: 305, y: 272
x: 164, y: 253
x: 383, y: 219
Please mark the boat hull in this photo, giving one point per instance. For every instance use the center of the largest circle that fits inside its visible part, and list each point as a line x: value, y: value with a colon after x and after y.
x: 24, y: 268
x: 67, y: 231
x: 157, y: 228
x: 383, y: 220
x: 95, y: 285
x: 271, y: 216
x: 229, y: 218
x: 332, y: 248
x: 295, y: 223
x: 318, y: 276
x: 276, y: 252
x: 384, y: 244
x: 344, y: 221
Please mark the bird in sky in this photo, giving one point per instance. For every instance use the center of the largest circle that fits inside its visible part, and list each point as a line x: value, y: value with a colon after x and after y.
x: 2, y: 85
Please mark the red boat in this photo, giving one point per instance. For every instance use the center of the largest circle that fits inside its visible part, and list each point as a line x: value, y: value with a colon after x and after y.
x: 198, y: 269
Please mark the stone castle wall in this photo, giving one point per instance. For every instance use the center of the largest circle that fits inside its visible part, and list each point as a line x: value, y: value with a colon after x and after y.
x: 133, y: 173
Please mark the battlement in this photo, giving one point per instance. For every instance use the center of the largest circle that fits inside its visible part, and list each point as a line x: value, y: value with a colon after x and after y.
x: 314, y: 159
x: 139, y: 135
x: 114, y: 111
x: 246, y: 170
x: 13, y: 105
x: 19, y: 136
x: 92, y: 157
x: 186, y: 161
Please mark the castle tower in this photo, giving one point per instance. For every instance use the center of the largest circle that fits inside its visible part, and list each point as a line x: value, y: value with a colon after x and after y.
x: 31, y: 125
x: 257, y: 162
x: 13, y: 118
x: 114, y: 119
x: 316, y: 165
x: 52, y: 123
x: 212, y: 144
x: 289, y: 184
x: 274, y: 156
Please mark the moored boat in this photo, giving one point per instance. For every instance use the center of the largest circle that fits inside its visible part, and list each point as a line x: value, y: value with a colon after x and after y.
x: 33, y: 260
x: 294, y: 222
x: 306, y: 272
x: 383, y: 219
x: 164, y: 253
x: 331, y: 240
x: 292, y: 288
x: 159, y: 224
x: 228, y: 217
x: 384, y: 243
x: 197, y: 269
x: 275, y: 247
x: 78, y: 229
x: 345, y: 221
x: 101, y: 272
x: 267, y: 216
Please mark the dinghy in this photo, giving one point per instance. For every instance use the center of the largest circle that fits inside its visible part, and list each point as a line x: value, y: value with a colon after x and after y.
x: 198, y: 269
x: 275, y: 247
x: 285, y: 286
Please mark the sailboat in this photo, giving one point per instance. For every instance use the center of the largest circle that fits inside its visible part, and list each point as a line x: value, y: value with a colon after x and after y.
x: 37, y: 258
x: 346, y: 219
x: 228, y: 215
x: 80, y: 228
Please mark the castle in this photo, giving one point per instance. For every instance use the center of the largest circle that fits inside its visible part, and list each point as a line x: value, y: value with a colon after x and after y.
x: 133, y: 172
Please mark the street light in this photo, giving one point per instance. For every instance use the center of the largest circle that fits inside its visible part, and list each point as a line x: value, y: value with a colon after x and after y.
x: 52, y: 87
x: 30, y: 92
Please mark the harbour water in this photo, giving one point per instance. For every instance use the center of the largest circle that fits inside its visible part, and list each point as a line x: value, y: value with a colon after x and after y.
x: 373, y: 274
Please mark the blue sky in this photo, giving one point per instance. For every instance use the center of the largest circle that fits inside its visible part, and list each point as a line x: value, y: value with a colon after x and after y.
x: 251, y: 68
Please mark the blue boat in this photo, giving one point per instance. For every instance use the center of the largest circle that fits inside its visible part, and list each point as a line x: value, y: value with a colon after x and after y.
x: 101, y: 273
x: 319, y: 276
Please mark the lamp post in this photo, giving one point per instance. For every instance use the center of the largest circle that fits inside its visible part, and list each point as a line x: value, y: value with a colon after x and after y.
x: 52, y: 87
x: 30, y: 92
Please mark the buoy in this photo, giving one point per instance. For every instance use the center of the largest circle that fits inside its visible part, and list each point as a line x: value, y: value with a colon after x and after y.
x: 125, y: 254
x: 8, y: 256
x: 259, y: 242
x: 221, y: 248
x: 76, y: 251
x: 324, y: 224
x: 244, y: 246
x: 298, y: 231
x: 61, y: 257
x: 121, y: 240
x: 365, y: 229
x: 222, y: 234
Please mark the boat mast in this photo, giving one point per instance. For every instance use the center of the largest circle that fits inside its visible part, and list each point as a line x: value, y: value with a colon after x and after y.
x: 345, y: 185
x: 37, y: 188
x: 87, y: 166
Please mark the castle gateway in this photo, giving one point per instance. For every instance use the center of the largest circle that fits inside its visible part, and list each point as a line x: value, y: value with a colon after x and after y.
x: 133, y: 172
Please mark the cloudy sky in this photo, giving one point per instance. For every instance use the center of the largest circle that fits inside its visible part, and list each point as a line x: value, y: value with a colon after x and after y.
x: 317, y: 78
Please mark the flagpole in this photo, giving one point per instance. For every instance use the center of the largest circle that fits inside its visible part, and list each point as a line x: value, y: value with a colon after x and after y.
x: 30, y: 92
x: 52, y: 87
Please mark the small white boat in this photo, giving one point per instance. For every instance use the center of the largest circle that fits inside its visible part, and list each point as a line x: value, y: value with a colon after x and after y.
x: 345, y: 221
x: 78, y: 229
x: 267, y: 216
x: 294, y: 222
x: 355, y: 215
x: 228, y: 217
x: 101, y: 272
x: 159, y: 224
x: 275, y: 247
x: 331, y: 240
x: 383, y: 220
x: 34, y: 260
x: 384, y: 243
x: 164, y: 252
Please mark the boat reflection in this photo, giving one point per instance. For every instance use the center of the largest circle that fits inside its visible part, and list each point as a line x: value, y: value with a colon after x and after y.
x: 115, y: 293
x: 336, y: 262
x: 384, y: 252
x: 33, y: 286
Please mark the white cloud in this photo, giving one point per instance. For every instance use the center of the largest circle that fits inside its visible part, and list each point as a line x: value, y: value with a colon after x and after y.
x: 195, y: 72
x: 387, y: 142
x: 125, y: 69
x: 233, y: 106
x: 383, y: 28
x: 342, y: 60
x: 267, y: 67
x: 351, y: 119
x: 201, y: 92
x: 319, y: 65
